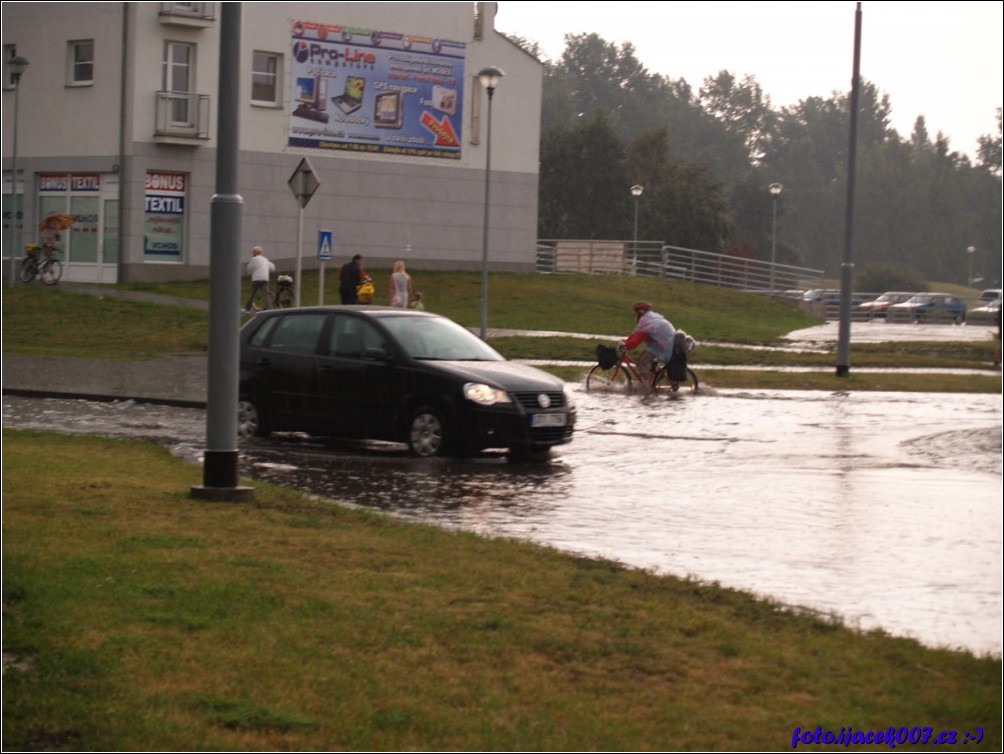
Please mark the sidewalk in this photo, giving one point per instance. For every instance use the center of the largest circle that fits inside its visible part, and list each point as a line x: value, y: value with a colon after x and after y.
x: 176, y: 381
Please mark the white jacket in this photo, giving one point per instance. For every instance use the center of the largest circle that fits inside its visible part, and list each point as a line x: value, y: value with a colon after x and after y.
x: 259, y: 267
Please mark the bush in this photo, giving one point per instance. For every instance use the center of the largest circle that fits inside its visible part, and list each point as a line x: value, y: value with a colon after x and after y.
x: 879, y: 277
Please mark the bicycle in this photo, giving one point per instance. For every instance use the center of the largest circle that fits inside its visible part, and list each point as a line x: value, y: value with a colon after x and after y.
x: 283, y: 292
x: 48, y: 269
x: 617, y: 371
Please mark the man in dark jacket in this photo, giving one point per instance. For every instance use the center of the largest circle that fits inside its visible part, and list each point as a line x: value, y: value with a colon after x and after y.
x: 351, y: 276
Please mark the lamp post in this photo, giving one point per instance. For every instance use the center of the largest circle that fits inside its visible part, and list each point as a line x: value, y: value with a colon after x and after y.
x: 490, y: 78
x: 775, y: 191
x: 969, y: 252
x: 636, y: 192
x: 17, y: 66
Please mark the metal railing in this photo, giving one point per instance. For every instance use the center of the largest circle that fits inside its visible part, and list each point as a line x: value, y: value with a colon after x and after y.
x: 182, y: 115
x: 654, y: 259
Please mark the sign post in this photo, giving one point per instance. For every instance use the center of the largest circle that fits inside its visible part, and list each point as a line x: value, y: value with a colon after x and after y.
x: 325, y: 245
x: 303, y: 183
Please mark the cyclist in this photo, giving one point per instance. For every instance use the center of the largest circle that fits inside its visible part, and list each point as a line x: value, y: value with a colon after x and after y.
x: 658, y: 335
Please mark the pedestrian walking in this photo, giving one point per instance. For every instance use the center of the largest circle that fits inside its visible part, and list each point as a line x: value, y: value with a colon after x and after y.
x: 400, y: 286
x: 259, y: 268
x: 351, y: 276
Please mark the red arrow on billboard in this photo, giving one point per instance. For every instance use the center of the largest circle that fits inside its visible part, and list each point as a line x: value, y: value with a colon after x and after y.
x: 443, y: 130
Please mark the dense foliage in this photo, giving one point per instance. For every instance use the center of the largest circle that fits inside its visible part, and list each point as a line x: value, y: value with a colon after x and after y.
x: 706, y: 159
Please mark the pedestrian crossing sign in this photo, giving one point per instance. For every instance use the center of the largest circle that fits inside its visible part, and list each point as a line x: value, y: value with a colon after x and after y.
x: 325, y: 245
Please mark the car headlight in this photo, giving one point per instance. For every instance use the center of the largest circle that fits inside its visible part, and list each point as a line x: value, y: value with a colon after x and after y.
x: 485, y: 395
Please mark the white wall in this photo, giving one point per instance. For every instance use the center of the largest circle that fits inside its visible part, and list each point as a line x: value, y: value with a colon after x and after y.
x: 377, y: 205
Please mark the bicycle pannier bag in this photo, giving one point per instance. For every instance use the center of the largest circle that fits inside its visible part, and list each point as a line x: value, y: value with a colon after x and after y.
x: 606, y: 356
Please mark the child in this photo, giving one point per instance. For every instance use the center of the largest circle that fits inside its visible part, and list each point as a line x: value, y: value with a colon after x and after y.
x: 416, y: 302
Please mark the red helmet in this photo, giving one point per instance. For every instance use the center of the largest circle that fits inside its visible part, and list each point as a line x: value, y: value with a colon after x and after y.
x: 641, y: 307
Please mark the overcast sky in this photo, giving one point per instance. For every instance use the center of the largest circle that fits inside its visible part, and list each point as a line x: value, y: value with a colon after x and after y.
x: 937, y: 59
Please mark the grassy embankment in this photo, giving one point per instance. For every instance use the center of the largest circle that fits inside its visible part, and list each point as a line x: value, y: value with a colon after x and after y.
x: 111, y: 328
x: 138, y: 619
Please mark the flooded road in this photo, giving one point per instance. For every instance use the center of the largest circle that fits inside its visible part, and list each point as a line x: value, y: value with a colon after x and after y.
x: 884, y: 509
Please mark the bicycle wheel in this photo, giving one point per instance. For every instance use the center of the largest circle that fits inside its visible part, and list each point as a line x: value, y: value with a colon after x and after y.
x: 284, y: 298
x: 662, y: 381
x: 616, y: 378
x: 28, y: 270
x: 52, y: 271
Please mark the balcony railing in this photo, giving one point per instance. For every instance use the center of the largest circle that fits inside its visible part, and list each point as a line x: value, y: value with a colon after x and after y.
x: 188, y: 14
x: 181, y: 117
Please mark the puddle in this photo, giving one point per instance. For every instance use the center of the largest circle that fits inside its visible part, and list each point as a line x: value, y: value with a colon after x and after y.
x: 882, y: 508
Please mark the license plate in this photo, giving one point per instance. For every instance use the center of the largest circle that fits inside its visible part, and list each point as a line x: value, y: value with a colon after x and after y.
x: 548, y: 420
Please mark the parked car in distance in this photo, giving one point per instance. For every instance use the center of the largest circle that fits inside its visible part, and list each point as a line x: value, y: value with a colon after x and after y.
x: 936, y: 306
x: 879, y: 306
x: 822, y: 295
x: 399, y: 375
x: 990, y: 304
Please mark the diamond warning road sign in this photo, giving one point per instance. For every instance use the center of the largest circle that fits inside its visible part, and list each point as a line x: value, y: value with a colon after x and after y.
x: 303, y: 183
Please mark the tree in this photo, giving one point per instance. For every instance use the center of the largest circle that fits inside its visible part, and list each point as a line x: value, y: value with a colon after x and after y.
x: 582, y: 181
x: 683, y: 205
x: 742, y: 108
x: 989, y: 153
x: 879, y: 277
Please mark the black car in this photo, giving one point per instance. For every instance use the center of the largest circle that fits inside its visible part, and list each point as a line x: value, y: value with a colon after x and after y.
x: 381, y: 373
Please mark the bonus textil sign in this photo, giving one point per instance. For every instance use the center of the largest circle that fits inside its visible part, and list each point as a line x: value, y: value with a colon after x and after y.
x: 364, y: 90
x: 164, y: 216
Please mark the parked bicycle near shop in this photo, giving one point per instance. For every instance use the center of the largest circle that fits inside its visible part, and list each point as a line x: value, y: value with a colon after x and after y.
x: 45, y: 267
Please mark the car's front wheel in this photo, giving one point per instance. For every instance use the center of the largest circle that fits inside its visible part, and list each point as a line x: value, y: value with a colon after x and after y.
x: 426, y: 433
x: 249, y: 420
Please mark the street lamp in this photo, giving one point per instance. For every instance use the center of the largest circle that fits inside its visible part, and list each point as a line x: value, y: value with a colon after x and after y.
x: 775, y: 191
x: 636, y: 192
x: 490, y: 78
x: 17, y: 66
x: 970, y: 251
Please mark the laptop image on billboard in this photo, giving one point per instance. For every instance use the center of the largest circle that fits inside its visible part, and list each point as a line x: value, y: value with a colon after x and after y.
x: 352, y: 98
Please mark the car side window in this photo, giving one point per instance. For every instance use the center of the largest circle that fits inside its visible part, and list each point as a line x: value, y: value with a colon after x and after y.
x: 297, y: 333
x: 260, y: 336
x: 351, y: 336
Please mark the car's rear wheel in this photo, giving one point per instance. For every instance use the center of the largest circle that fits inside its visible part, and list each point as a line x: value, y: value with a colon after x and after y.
x: 249, y: 420
x: 426, y: 433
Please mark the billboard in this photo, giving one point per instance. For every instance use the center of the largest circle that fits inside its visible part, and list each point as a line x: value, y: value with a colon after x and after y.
x: 371, y: 91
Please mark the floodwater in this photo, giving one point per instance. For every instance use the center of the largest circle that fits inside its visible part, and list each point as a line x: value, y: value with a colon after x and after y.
x: 883, y: 509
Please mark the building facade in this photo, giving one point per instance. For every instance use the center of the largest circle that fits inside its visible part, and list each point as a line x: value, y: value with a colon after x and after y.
x: 116, y: 126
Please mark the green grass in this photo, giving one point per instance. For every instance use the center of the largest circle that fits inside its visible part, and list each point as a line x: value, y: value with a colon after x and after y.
x: 136, y: 618
x: 569, y: 303
x: 110, y: 328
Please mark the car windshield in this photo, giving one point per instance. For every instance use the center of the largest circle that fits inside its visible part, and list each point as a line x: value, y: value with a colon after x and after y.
x: 921, y: 300
x: 438, y: 338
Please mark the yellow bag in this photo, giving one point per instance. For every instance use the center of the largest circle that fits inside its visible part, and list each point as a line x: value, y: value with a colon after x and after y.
x: 365, y: 292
